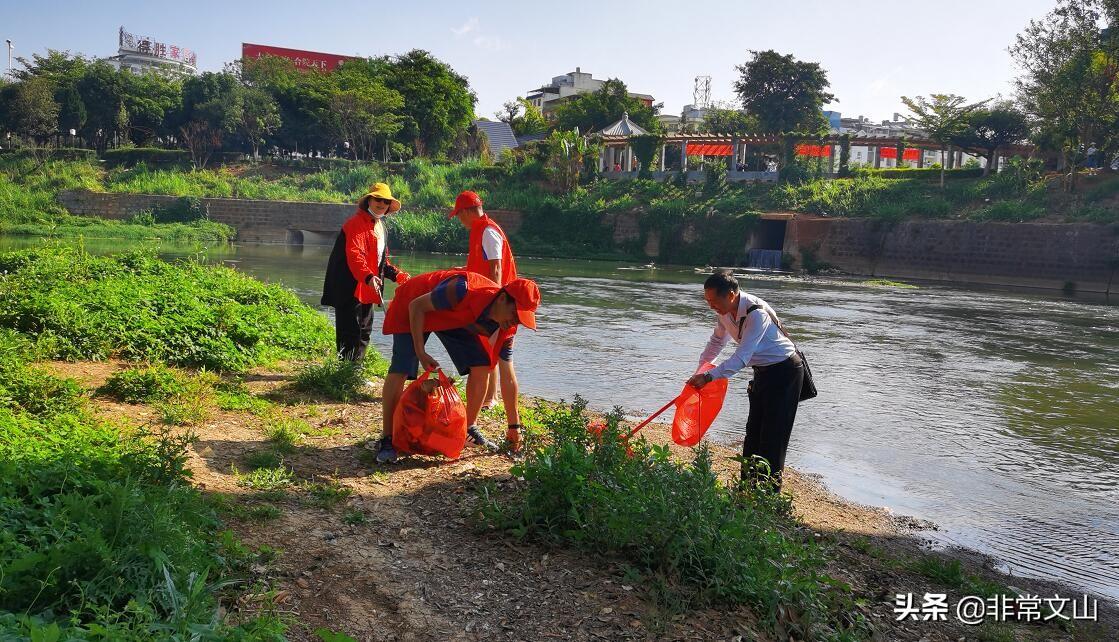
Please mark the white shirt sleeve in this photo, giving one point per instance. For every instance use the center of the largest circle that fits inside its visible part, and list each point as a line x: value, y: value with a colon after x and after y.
x: 754, y: 330
x: 491, y: 244
x: 714, y: 344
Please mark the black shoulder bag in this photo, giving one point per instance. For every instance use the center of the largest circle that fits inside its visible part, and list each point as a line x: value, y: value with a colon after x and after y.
x: 807, y: 386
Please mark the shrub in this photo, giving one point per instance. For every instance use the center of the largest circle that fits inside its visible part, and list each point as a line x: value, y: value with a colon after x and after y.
x: 54, y: 153
x: 185, y: 209
x: 143, y: 385
x: 1012, y: 211
x: 102, y: 533
x: 128, y: 157
x: 28, y: 389
x: 334, y: 378
x: 924, y: 173
x: 682, y: 529
x: 138, y: 307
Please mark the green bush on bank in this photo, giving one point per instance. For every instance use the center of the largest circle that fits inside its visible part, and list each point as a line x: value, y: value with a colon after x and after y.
x: 925, y: 173
x: 695, y: 542
x: 101, y: 535
x: 138, y: 307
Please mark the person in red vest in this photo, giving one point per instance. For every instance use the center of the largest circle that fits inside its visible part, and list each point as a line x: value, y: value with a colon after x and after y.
x: 464, y: 310
x: 491, y: 256
x: 356, y: 270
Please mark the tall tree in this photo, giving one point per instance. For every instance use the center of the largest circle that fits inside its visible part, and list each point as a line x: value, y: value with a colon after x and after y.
x: 72, y: 112
x: 724, y: 119
x: 260, y: 117
x: 365, y: 116
x: 34, y: 112
x: 992, y: 128
x: 943, y: 117
x: 591, y: 112
x: 303, y: 100
x: 1070, y: 82
x: 102, y: 90
x: 782, y: 93
x: 151, y: 100
x: 523, y: 117
x: 438, y: 102
x: 213, y: 104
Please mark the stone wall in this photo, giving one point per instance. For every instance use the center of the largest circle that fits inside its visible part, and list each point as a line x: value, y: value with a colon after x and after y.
x: 1029, y: 254
x: 1022, y: 254
x: 255, y: 221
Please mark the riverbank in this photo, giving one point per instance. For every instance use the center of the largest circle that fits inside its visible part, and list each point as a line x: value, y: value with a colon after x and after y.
x: 281, y: 464
x: 708, y: 224
x: 396, y: 552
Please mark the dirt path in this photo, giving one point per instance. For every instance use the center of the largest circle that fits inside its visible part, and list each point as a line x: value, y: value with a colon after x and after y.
x: 398, y: 559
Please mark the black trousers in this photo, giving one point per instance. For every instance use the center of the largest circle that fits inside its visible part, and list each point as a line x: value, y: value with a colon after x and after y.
x: 774, y: 395
x: 353, y: 324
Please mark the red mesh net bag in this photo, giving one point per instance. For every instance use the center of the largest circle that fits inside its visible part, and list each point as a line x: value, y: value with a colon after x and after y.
x: 697, y: 409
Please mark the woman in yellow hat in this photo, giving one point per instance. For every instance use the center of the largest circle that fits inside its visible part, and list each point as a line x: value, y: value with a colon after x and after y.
x: 355, y: 273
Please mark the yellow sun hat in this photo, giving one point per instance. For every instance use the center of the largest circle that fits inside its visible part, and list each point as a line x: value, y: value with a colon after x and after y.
x: 381, y: 191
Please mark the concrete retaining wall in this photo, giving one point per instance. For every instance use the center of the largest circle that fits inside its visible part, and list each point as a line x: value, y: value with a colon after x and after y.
x: 1021, y: 254
x: 1028, y: 254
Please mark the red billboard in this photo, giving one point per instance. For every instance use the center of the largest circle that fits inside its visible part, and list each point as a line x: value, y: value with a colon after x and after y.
x: 302, y: 59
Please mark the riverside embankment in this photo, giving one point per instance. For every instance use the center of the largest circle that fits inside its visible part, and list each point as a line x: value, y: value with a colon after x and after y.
x: 1059, y: 256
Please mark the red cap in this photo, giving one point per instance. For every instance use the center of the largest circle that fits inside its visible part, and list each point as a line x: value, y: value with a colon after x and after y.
x: 527, y: 296
x: 465, y: 200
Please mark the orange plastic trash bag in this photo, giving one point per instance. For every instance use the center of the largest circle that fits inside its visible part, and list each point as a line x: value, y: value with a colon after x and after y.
x: 430, y: 423
x: 696, y: 409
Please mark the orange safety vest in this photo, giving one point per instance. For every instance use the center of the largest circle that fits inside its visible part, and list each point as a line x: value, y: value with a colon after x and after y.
x: 480, y: 292
x: 476, y: 260
x: 361, y: 255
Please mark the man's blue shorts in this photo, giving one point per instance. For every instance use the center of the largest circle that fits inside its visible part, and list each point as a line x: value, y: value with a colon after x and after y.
x: 463, y: 346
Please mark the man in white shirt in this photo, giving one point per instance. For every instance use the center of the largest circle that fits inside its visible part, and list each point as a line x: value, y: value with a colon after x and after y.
x: 778, y: 373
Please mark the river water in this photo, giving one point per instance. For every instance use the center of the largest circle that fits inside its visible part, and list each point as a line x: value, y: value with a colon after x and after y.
x: 993, y: 414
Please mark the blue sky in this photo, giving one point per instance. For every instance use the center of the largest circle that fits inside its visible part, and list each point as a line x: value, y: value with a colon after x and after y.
x: 874, y: 50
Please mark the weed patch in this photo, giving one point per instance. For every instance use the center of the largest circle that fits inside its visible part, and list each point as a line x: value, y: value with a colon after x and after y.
x: 333, y: 378
x: 682, y: 530
x: 138, y: 307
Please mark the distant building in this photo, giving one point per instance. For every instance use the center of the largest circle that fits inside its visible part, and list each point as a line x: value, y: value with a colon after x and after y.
x: 897, y: 127
x: 689, y: 120
x: 564, y: 87
x: 141, y: 54
x: 499, y: 136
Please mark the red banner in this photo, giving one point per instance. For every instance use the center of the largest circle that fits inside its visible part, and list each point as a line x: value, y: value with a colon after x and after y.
x: 708, y: 149
x: 815, y: 151
x: 909, y: 154
x: 302, y: 59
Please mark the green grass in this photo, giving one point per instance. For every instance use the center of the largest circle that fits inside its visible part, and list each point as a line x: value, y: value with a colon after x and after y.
x: 329, y: 494
x: 143, y: 385
x: 276, y: 478
x: 692, y: 541
x: 353, y: 517
x: 886, y: 283
x: 285, y: 432
x: 103, y: 537
x: 951, y: 573
x: 338, y: 379
x: 267, y: 458
x: 234, y: 396
x: 135, y: 306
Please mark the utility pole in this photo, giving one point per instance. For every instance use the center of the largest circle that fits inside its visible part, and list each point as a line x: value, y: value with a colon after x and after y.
x: 9, y: 41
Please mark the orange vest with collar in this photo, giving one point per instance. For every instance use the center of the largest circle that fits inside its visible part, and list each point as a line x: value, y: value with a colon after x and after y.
x: 476, y: 260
